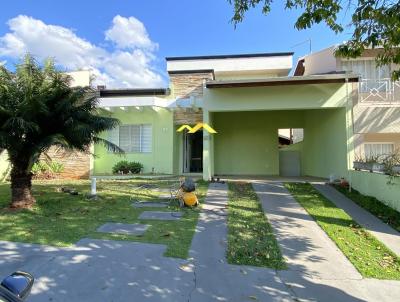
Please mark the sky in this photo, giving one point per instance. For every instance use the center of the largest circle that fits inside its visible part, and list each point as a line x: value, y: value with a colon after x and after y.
x: 124, y: 42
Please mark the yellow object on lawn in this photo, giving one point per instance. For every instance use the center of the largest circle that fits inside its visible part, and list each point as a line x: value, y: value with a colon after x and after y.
x: 190, y: 199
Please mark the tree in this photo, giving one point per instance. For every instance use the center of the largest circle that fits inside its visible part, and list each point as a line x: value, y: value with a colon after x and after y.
x: 376, y: 24
x: 40, y: 109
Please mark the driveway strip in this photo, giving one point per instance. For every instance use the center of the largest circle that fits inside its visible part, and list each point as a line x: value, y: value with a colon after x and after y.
x: 215, y: 280
x: 304, y: 244
x: 383, y: 232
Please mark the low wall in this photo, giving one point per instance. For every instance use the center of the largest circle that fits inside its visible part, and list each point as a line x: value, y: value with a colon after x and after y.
x: 376, y: 185
x: 76, y: 164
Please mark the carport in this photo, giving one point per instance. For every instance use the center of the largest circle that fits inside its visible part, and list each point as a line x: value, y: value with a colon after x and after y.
x: 248, y: 114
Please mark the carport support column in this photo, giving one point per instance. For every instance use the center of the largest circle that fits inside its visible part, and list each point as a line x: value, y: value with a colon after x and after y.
x: 208, y: 148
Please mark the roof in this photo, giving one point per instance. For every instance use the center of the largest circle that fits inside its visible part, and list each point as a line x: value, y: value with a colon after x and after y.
x: 281, y: 81
x: 134, y: 92
x: 212, y: 57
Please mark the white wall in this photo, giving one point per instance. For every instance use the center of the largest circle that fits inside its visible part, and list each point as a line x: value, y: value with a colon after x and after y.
x: 323, y: 61
x: 268, y: 65
x: 80, y: 78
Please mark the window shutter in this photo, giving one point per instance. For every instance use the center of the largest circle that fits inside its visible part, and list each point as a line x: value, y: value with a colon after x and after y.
x: 124, y: 138
x: 113, y: 137
x: 135, y: 138
x: 146, y: 139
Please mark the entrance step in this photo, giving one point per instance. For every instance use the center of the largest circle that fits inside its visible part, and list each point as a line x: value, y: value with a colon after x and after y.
x: 158, y: 215
x: 123, y: 228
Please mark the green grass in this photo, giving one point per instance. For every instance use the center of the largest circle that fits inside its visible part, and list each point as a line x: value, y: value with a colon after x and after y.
x: 374, y: 206
x: 370, y: 257
x: 61, y: 219
x: 250, y: 237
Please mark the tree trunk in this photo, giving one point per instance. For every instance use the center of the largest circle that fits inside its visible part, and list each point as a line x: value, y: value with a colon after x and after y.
x: 21, y: 190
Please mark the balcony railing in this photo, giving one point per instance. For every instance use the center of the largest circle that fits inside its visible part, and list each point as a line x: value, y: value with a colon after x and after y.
x: 379, y: 92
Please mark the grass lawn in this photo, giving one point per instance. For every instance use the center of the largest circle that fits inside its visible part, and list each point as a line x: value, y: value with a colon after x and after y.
x: 60, y: 219
x: 374, y: 206
x: 250, y: 237
x: 370, y: 257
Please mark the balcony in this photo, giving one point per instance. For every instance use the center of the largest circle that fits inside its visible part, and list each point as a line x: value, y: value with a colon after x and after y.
x: 379, y: 92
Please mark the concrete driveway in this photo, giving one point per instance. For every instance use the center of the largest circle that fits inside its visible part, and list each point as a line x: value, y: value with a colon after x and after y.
x: 101, y: 270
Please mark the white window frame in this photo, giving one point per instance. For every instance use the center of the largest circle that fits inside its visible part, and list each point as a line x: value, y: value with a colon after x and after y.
x: 115, y: 137
x: 377, y: 143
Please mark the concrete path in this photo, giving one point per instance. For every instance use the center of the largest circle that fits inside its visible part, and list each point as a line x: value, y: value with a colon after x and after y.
x: 123, y: 228
x: 159, y: 215
x: 387, y: 235
x: 149, y: 204
x: 304, y: 244
x: 215, y: 280
x: 318, y: 271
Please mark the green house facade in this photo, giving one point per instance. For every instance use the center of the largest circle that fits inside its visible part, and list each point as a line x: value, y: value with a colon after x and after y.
x: 246, y: 99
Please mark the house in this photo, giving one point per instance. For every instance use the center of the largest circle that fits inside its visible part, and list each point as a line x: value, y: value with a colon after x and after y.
x: 248, y: 99
x: 376, y: 112
x: 268, y: 122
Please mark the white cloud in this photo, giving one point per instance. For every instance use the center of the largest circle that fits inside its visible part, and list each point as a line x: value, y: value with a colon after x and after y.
x: 129, y: 65
x: 129, y: 33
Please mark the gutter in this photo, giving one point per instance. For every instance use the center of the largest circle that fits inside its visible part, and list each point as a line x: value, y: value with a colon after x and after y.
x: 282, y: 81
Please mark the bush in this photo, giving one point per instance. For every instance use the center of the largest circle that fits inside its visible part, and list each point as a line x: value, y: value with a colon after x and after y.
x: 39, y: 167
x: 125, y: 167
x: 56, y: 167
x: 44, y: 170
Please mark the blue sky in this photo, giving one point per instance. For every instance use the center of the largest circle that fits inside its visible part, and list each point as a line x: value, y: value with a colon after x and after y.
x: 158, y: 28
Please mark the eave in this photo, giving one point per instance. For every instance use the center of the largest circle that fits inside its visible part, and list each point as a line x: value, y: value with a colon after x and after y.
x: 284, y: 81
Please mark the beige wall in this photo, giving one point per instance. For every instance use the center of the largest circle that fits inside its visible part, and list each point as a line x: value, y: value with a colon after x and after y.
x: 372, y: 119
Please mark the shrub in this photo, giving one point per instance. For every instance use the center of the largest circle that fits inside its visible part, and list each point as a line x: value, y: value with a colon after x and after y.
x: 39, y: 167
x: 43, y: 169
x: 125, y: 167
x: 56, y: 167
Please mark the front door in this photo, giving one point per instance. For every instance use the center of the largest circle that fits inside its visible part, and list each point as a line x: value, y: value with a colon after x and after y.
x: 193, y: 152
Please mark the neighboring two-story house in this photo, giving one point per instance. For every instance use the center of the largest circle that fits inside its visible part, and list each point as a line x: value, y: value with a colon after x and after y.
x: 376, y: 110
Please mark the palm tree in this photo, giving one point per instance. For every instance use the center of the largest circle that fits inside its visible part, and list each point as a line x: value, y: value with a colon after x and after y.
x: 40, y: 109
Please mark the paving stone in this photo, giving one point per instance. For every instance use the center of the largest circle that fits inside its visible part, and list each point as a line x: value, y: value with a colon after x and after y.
x: 157, y: 215
x: 123, y: 228
x: 149, y: 204
x: 162, y: 190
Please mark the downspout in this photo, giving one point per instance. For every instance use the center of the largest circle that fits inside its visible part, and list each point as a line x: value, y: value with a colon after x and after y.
x: 351, y: 147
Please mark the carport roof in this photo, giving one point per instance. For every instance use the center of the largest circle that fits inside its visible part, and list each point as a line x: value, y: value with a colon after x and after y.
x: 281, y: 81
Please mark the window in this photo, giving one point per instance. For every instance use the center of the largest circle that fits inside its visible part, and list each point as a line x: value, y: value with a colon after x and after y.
x: 132, y: 138
x: 375, y: 79
x: 367, y: 69
x: 378, y: 149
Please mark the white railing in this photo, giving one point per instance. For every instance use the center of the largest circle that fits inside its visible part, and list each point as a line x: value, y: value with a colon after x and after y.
x: 379, y: 92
